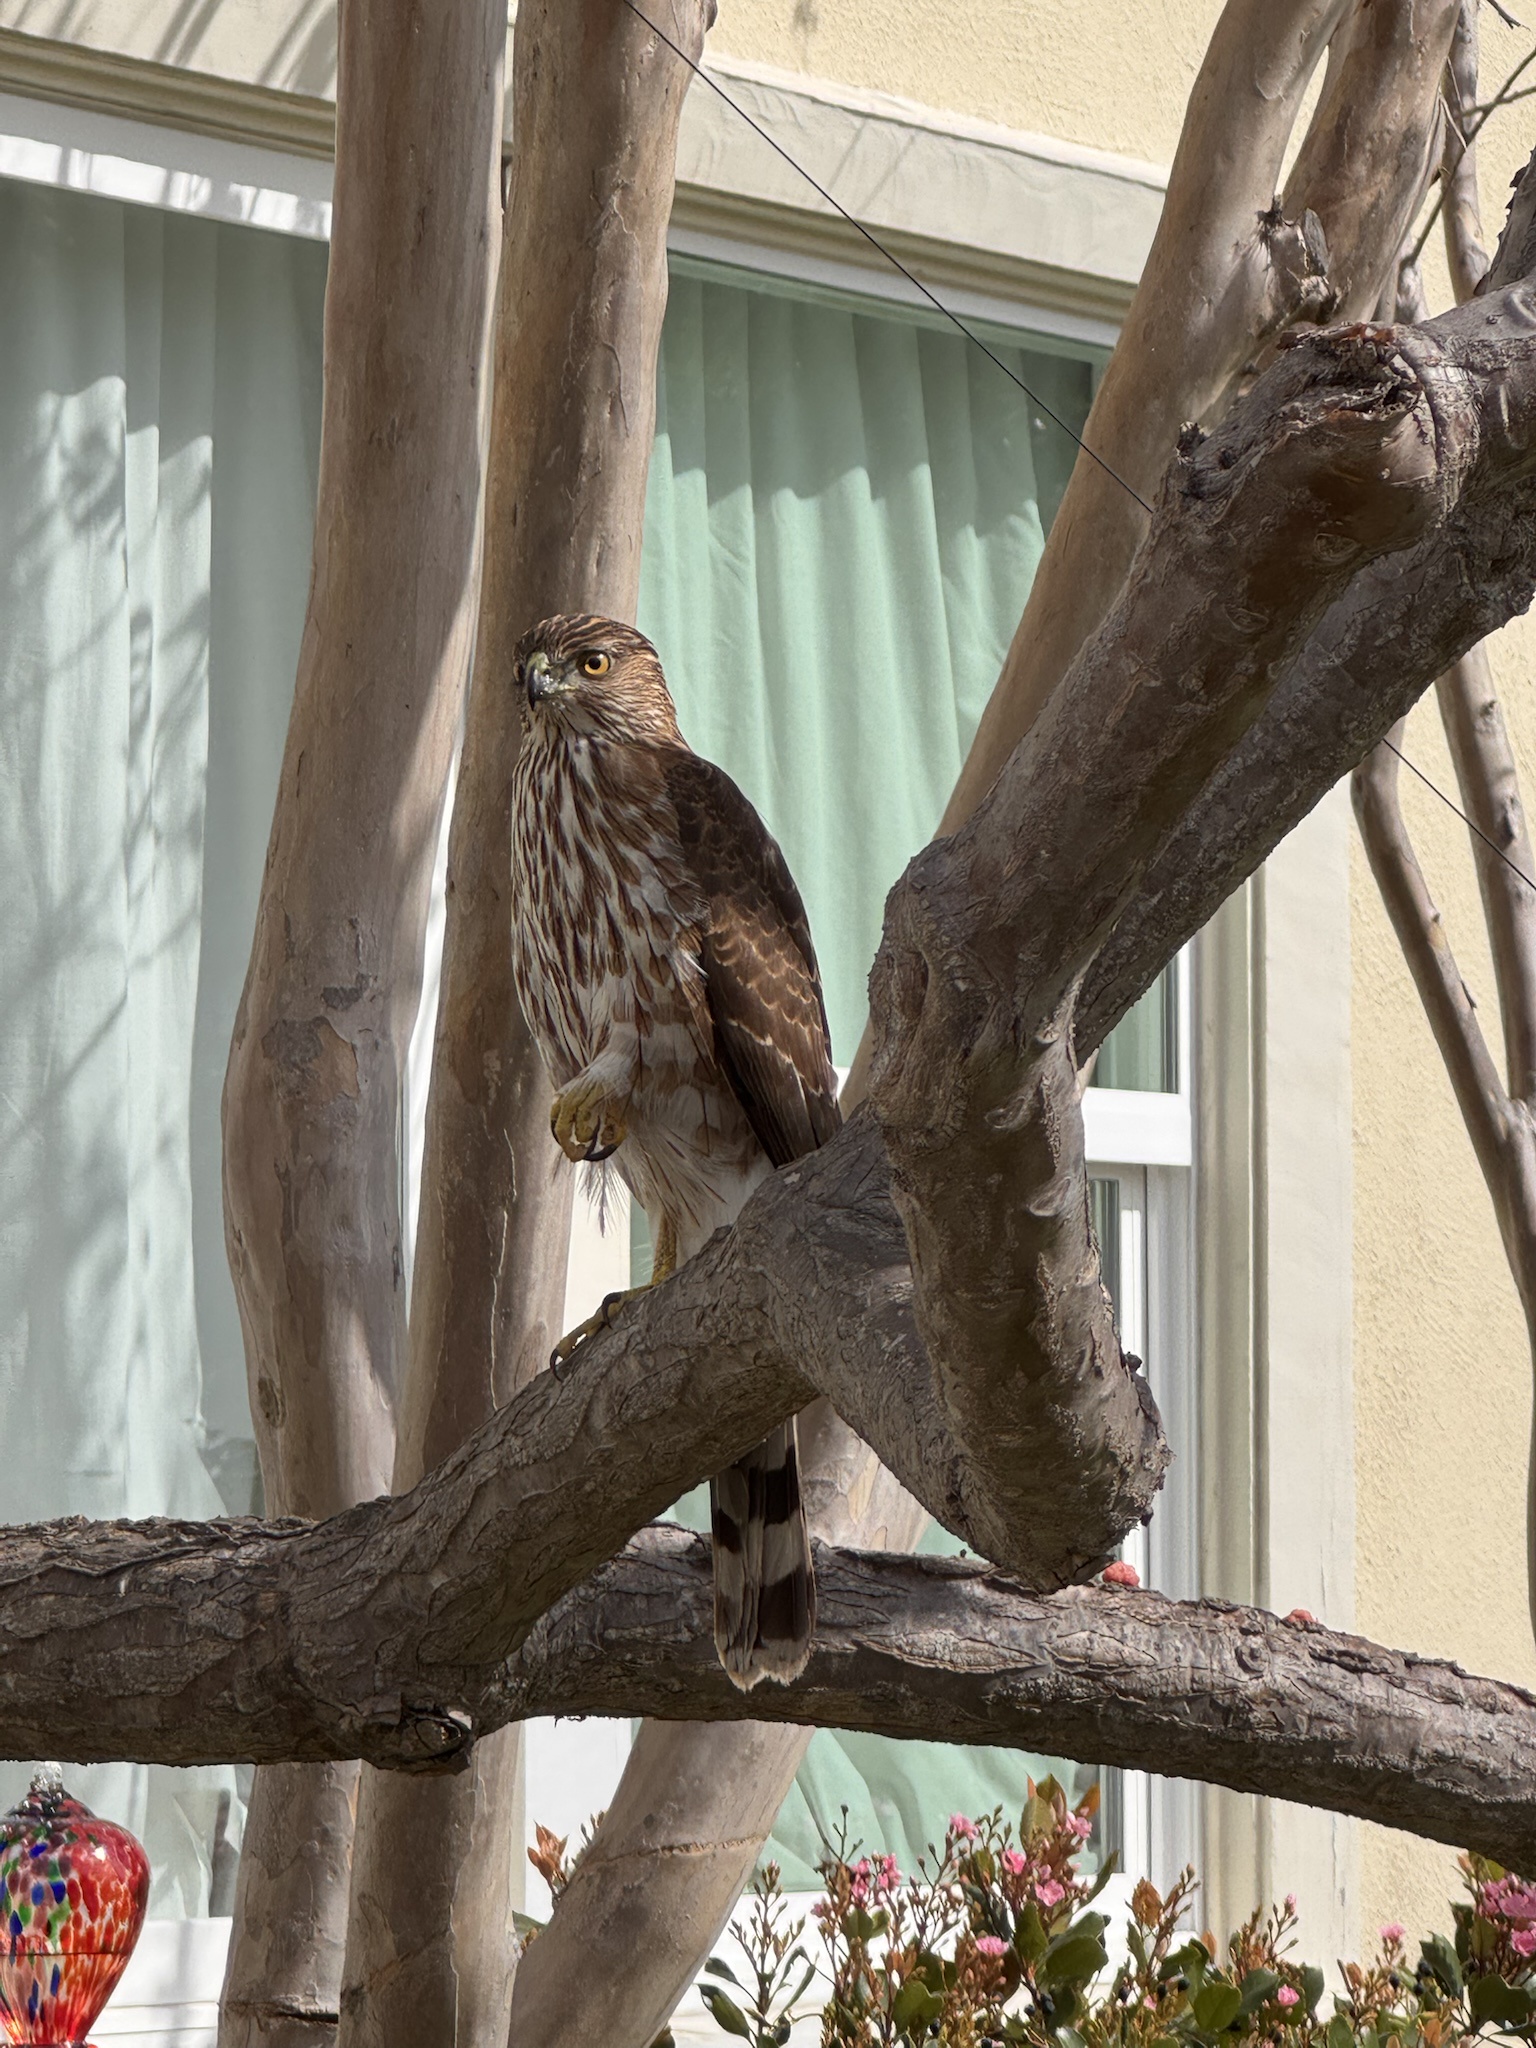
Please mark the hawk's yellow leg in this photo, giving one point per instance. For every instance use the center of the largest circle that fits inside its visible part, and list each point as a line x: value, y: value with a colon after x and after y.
x: 663, y: 1265
x: 587, y: 1122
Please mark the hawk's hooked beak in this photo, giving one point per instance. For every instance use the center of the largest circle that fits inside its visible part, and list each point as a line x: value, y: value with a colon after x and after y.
x: 540, y: 677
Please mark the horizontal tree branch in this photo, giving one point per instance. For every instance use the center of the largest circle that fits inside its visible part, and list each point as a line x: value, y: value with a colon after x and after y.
x: 926, y: 1646
x: 196, y: 1656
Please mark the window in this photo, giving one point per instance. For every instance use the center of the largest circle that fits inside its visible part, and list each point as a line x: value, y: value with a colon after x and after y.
x: 846, y: 509
x: 159, y: 431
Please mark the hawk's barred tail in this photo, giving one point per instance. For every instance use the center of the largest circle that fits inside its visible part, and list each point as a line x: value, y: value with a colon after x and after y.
x: 765, y: 1593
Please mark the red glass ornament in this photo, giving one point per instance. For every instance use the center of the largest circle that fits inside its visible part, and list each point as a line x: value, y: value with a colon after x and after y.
x: 73, y: 1891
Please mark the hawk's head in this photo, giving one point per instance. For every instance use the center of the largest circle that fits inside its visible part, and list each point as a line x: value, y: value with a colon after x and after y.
x: 594, y: 676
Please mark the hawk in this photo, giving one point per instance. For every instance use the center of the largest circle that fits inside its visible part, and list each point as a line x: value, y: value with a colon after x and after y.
x: 664, y: 962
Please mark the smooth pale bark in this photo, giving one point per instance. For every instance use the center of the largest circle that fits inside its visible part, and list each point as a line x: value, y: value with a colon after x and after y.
x: 696, y: 1803
x: 914, y: 1646
x: 596, y: 101
x: 312, y: 1096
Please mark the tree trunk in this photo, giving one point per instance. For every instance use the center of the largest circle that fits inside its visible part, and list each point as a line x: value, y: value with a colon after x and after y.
x: 695, y: 1805
x: 312, y: 1098
x: 596, y: 105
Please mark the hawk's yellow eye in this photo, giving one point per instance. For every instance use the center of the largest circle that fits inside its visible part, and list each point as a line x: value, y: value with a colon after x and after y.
x: 595, y: 664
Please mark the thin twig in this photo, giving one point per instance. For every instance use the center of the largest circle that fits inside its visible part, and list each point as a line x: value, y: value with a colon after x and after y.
x: 1500, y: 99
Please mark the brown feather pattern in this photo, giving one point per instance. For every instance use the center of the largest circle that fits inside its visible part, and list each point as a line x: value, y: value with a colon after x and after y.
x: 664, y: 960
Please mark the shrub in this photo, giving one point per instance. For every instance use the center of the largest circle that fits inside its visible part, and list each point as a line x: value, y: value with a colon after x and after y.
x: 995, y: 1940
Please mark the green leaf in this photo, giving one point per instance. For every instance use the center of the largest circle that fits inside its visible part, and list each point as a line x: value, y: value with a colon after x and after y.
x: 802, y: 1987
x: 1340, y: 2033
x: 716, y: 1968
x: 1216, y: 2006
x: 1088, y: 1923
x: 915, y: 2007
x: 1030, y: 1937
x: 1443, y: 1966
x: 1072, y: 1959
x: 1107, y: 1870
x: 725, y: 2012
x: 526, y: 1924
x: 1312, y: 1986
x: 1069, y: 2037
x: 1258, y: 1986
x: 1496, y: 2003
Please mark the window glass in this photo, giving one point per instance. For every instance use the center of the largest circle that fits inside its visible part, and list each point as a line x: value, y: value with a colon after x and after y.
x: 1142, y: 1052
x: 159, y: 430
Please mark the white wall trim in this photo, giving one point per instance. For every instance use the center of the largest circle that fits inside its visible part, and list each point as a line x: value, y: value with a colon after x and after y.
x: 43, y: 143
x: 1274, y: 1172
x: 1012, y: 220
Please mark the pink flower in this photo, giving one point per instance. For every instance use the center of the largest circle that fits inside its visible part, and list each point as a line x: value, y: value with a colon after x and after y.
x: 1523, y: 1941
x: 1287, y: 1996
x: 1120, y: 1574
x: 1080, y: 1825
x: 966, y: 1830
x: 1290, y: 1902
x: 1050, y: 1893
x: 1393, y: 1933
x: 989, y: 1945
x: 887, y: 1875
x: 1015, y: 1862
x: 1519, y: 1901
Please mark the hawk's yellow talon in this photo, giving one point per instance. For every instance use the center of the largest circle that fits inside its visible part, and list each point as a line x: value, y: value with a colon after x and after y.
x: 607, y: 1308
x: 588, y: 1124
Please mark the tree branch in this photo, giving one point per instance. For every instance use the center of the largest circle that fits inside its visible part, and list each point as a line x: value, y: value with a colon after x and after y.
x: 312, y: 1095
x: 1460, y: 205
x: 911, y: 1646
x: 596, y: 102
x: 1403, y: 621
x: 1490, y: 791
x: 1421, y: 933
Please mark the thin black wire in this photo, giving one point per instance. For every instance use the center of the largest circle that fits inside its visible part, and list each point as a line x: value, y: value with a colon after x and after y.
x: 875, y: 243
x: 1491, y: 844
x: 971, y: 336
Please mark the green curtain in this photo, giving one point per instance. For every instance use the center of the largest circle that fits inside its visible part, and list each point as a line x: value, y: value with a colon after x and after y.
x: 844, y: 517
x: 159, y: 425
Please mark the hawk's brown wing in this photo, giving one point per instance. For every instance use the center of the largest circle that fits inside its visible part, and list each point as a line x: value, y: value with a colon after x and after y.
x: 759, y: 965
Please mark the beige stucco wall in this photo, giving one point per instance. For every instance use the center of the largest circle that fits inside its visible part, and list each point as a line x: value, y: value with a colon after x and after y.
x: 1442, y: 1380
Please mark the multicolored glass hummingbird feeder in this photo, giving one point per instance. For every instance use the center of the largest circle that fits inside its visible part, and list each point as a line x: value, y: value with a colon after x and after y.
x: 73, y: 1890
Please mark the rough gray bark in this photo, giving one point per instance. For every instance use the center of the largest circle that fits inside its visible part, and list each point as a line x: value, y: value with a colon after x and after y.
x: 311, y: 1100
x: 1202, y: 1689
x: 596, y: 104
x: 1414, y: 612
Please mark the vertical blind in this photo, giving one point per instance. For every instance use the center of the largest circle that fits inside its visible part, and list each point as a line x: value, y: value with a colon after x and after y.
x: 845, y: 514
x: 159, y: 420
